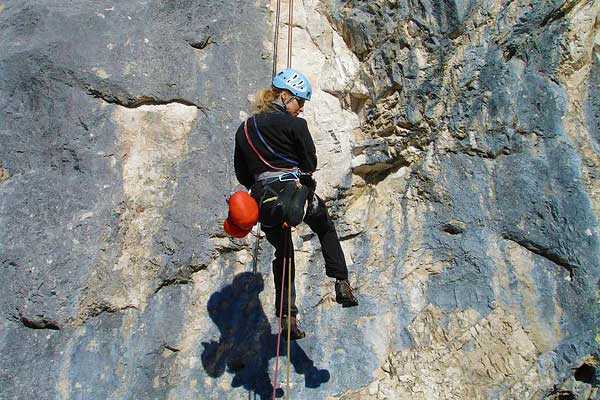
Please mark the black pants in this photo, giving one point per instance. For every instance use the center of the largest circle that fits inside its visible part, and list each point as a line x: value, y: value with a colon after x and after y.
x: 320, y: 222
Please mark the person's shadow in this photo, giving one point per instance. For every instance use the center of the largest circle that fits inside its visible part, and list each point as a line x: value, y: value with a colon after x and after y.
x: 246, y: 344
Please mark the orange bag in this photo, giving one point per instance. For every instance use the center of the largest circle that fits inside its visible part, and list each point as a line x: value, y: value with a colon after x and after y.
x: 233, y: 230
x: 243, y: 214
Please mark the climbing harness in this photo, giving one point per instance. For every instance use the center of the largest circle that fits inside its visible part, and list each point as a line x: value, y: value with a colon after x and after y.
x: 273, y: 176
x: 288, y: 203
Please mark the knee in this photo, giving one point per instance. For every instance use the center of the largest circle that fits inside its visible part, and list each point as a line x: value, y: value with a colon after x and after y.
x: 322, y: 227
x: 321, y: 224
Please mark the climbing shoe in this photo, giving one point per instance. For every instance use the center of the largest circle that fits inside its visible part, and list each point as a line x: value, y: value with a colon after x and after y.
x: 296, y: 333
x: 344, y: 294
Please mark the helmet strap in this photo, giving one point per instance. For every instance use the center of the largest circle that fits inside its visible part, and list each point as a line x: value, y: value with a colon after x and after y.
x: 288, y: 101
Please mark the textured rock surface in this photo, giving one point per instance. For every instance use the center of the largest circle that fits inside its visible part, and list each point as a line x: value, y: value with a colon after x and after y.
x: 459, y: 149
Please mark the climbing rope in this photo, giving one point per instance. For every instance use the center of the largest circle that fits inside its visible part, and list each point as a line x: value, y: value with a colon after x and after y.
x: 289, y: 319
x: 290, y: 26
x: 287, y: 231
x: 258, y: 153
x: 276, y: 35
x: 276, y: 39
x: 256, y: 250
x: 287, y: 259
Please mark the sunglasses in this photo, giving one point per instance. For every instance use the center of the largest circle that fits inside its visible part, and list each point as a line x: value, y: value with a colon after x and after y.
x: 300, y: 101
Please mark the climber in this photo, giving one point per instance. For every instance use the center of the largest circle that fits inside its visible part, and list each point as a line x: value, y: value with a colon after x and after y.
x: 274, y: 158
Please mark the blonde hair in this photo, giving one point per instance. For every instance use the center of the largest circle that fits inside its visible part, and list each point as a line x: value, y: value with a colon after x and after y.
x: 264, y: 98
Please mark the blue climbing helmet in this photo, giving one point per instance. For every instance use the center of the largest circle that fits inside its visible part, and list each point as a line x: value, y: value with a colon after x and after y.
x: 295, y: 82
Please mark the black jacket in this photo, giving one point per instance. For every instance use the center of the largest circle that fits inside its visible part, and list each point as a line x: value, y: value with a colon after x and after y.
x: 286, y: 135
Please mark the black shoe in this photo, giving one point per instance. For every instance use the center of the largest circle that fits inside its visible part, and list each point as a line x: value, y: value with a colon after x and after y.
x: 295, y: 332
x: 344, y: 294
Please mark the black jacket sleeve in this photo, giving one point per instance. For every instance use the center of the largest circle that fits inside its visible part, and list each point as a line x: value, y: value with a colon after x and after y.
x: 241, y: 169
x: 306, y: 146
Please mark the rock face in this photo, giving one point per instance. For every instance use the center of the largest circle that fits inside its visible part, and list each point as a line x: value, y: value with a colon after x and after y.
x: 459, y: 151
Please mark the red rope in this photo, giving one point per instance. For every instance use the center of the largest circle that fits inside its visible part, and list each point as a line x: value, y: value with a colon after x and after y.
x: 285, y: 245
x: 258, y: 154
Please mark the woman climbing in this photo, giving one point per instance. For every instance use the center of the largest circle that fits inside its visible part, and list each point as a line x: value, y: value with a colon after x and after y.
x: 274, y: 158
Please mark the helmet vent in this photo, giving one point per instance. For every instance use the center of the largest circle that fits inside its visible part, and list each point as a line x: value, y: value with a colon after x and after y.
x: 293, y: 81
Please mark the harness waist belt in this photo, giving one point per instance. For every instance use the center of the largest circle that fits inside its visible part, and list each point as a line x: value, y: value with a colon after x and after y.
x: 274, y: 174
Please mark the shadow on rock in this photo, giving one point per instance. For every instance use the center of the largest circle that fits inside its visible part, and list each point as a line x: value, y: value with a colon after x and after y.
x: 246, y: 344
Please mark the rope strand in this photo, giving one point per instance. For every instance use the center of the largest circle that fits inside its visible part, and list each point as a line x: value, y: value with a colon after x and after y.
x: 285, y: 251
x: 287, y: 231
x: 258, y: 154
x: 289, y: 313
x: 276, y: 39
x: 290, y: 28
x: 256, y: 250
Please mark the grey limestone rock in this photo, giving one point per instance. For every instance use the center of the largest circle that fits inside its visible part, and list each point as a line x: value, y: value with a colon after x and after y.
x: 459, y: 147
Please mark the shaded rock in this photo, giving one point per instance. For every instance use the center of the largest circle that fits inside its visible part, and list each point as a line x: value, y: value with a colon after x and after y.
x: 454, y: 227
